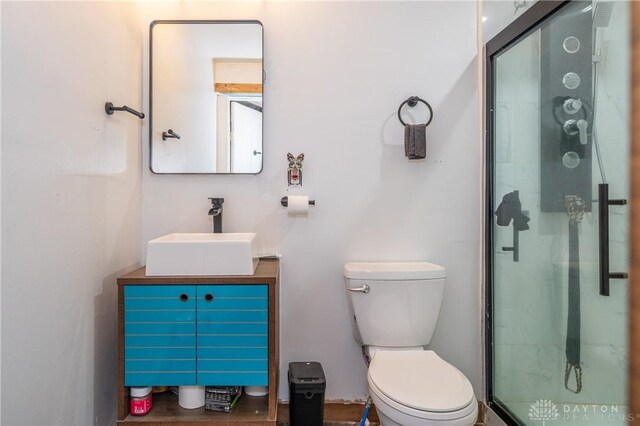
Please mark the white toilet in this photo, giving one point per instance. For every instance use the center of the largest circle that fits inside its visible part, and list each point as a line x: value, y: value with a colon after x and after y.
x: 394, y: 307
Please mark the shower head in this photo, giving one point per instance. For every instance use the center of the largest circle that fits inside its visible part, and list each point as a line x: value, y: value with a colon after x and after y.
x: 602, y: 14
x: 601, y: 19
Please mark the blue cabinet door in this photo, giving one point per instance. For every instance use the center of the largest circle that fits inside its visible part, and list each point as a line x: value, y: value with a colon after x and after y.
x: 159, y: 335
x: 232, y: 328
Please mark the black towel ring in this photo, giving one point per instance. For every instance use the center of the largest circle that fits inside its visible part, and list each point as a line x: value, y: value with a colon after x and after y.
x: 413, y: 101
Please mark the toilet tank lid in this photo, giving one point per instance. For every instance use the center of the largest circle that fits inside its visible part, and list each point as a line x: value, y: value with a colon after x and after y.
x: 393, y: 271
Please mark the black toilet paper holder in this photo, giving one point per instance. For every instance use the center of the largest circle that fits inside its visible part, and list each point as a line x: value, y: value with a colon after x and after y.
x: 285, y: 202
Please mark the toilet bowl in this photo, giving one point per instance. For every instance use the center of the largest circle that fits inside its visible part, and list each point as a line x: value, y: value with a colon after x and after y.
x: 411, y: 388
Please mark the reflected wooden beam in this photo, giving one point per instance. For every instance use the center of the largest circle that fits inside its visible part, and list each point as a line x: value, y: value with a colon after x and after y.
x: 634, y: 281
x: 238, y: 88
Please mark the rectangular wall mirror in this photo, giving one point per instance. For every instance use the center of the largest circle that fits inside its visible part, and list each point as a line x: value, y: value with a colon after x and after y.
x: 206, y: 97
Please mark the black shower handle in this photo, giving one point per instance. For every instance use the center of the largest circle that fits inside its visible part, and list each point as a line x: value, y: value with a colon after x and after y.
x: 516, y: 241
x: 603, y: 223
x: 516, y: 245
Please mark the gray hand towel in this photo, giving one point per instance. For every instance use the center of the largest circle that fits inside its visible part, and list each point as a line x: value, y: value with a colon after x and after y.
x: 415, y: 141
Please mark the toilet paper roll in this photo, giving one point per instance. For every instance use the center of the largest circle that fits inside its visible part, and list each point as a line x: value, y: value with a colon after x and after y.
x: 191, y: 396
x: 298, y: 205
x: 256, y: 390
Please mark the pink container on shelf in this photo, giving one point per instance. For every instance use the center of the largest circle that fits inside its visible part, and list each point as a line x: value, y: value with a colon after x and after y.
x: 141, y: 401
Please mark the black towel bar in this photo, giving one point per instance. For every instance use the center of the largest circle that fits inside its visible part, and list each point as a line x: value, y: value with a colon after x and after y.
x: 109, y: 109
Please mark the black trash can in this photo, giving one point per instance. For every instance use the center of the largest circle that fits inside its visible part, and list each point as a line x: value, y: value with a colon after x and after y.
x: 306, y: 393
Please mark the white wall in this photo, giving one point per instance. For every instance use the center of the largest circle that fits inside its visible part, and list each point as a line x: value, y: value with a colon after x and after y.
x: 336, y: 74
x: 0, y: 212
x: 498, y: 14
x: 70, y: 204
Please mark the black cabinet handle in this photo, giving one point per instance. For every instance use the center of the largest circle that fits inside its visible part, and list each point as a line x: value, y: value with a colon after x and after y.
x: 208, y: 297
x: 603, y: 214
x: 184, y: 297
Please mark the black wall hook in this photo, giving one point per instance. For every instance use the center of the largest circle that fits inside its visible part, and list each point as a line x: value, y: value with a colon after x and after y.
x: 412, y: 102
x: 109, y: 109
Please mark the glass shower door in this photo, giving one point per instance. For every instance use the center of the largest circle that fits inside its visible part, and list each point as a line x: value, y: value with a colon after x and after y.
x: 558, y: 144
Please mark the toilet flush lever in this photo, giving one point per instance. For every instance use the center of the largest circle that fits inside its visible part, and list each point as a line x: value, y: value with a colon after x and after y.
x: 364, y: 289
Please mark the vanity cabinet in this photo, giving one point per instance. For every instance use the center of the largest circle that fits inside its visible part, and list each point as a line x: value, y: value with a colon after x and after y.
x: 197, y: 330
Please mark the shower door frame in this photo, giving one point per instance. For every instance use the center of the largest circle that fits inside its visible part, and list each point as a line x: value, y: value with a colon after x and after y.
x: 506, y: 38
x: 634, y: 283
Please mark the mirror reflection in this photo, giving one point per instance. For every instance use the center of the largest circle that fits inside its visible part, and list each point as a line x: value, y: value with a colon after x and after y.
x: 206, y: 97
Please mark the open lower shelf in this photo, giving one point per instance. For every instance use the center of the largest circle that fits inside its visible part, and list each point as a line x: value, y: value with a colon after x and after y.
x: 249, y: 410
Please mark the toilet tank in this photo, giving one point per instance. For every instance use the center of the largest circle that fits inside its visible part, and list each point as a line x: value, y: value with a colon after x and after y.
x: 398, y: 302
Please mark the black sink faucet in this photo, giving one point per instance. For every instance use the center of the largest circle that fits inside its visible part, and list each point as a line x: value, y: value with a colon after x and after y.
x: 216, y: 212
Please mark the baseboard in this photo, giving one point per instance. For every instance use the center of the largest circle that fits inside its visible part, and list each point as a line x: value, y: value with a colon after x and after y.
x: 482, y: 414
x: 493, y: 419
x: 336, y: 413
x: 348, y: 413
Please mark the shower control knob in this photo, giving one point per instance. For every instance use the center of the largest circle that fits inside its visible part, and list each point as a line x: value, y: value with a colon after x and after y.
x: 582, y: 130
x: 571, y: 44
x: 572, y: 106
x: 571, y: 160
x: 573, y: 127
x: 571, y: 80
x: 570, y: 127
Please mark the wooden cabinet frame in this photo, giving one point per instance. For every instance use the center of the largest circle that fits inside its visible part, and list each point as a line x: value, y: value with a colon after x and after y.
x: 251, y: 410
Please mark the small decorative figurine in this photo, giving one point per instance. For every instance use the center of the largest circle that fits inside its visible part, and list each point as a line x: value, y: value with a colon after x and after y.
x: 295, y: 169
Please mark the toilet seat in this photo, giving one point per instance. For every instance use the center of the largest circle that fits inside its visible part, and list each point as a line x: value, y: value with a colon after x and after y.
x: 421, y: 384
x: 465, y: 416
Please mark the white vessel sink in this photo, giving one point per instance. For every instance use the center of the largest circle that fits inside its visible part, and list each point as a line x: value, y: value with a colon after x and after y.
x: 202, y: 254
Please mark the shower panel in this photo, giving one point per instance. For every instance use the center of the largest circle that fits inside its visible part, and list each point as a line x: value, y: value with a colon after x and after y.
x: 565, y: 109
x: 557, y: 119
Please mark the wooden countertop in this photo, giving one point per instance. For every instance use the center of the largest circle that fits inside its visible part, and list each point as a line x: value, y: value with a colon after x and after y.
x: 266, y: 272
